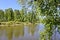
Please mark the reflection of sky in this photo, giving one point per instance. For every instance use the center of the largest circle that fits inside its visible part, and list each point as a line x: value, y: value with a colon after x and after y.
x: 4, y: 4
x: 41, y: 27
x: 56, y: 35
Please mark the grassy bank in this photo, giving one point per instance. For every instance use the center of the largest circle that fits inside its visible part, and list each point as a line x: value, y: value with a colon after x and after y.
x: 15, y: 23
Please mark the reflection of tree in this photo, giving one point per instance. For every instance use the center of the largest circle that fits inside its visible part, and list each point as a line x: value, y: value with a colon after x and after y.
x: 32, y: 28
x: 1, y: 29
x: 22, y: 30
x: 9, y: 32
x: 19, y: 30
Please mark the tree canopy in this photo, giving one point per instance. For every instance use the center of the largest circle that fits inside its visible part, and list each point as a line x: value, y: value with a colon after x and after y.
x: 17, y: 15
x: 49, y: 10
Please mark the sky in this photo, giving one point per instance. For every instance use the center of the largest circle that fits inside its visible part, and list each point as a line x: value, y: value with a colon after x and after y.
x: 5, y: 4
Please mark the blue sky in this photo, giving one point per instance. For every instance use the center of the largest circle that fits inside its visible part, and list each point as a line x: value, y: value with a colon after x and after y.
x: 4, y: 4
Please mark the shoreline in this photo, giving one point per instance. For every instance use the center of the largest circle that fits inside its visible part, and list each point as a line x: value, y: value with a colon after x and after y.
x: 16, y: 23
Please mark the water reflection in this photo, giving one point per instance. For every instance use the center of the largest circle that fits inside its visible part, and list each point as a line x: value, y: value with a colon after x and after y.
x: 32, y: 28
x: 19, y: 32
x: 24, y: 32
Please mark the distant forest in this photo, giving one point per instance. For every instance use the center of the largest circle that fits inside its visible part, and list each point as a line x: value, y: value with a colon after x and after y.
x: 17, y: 15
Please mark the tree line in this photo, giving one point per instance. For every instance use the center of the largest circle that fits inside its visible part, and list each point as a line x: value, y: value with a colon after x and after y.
x: 17, y: 15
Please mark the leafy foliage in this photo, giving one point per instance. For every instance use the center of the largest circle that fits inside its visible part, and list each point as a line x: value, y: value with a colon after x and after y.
x: 1, y: 15
x: 48, y: 8
x: 18, y: 15
x: 9, y: 14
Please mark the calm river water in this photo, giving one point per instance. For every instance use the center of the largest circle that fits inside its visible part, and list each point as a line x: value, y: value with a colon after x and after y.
x: 20, y: 32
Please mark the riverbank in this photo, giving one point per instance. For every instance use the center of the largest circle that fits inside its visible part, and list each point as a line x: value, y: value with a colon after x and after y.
x: 16, y: 23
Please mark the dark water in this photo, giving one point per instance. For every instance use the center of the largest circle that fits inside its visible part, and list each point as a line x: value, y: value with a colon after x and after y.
x: 20, y: 32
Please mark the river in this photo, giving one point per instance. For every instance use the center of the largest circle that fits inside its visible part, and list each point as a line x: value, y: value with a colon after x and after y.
x: 20, y: 32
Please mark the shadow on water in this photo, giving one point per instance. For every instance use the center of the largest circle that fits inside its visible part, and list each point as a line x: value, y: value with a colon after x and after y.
x: 19, y: 32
